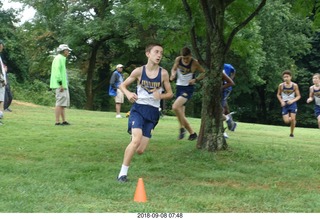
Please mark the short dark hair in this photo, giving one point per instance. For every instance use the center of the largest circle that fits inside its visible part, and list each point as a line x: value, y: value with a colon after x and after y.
x: 286, y: 72
x: 151, y: 45
x: 316, y: 75
x: 185, y: 51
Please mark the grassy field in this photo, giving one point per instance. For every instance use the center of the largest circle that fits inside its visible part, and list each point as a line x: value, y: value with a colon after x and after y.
x: 62, y: 169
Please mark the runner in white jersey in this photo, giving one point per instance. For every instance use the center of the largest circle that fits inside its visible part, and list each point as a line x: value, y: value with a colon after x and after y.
x: 314, y: 94
x: 144, y: 114
x: 288, y: 94
x: 185, y: 67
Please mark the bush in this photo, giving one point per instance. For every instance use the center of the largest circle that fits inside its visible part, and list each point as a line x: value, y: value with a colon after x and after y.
x: 39, y: 92
x: 35, y: 92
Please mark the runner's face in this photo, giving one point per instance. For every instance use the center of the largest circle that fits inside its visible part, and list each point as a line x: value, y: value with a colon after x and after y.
x: 286, y: 78
x: 1, y: 47
x: 186, y: 59
x: 155, y: 54
x: 315, y: 80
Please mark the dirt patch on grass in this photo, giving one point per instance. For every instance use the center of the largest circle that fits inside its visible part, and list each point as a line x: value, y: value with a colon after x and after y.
x: 21, y: 103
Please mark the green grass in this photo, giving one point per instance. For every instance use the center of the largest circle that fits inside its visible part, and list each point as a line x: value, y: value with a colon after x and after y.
x: 45, y: 168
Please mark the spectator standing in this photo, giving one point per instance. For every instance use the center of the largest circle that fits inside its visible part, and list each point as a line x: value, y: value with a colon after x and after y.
x: 59, y: 82
x: 114, y: 90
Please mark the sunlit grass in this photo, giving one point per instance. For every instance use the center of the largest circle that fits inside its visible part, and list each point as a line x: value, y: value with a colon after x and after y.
x: 45, y: 168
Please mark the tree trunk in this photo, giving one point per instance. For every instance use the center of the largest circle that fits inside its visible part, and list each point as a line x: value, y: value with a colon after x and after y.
x: 262, y: 106
x: 89, y: 82
x: 211, y: 130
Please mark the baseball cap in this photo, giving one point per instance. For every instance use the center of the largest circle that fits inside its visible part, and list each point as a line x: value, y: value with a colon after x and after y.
x: 119, y: 66
x: 63, y: 47
x: 1, y: 42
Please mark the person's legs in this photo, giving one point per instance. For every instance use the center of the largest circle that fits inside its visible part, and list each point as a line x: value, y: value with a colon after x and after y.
x: 286, y: 119
x: 136, y: 137
x: 8, y: 98
x: 136, y: 141
x: 179, y: 109
x: 119, y: 99
x: 63, y: 114
x: 1, y: 113
x: 292, y: 123
x: 140, y: 128
x: 58, y: 112
x: 226, y: 112
x: 290, y: 119
x: 118, y: 108
x: 137, y: 145
x: 226, y: 109
x: 62, y: 101
x: 224, y: 102
x: 2, y: 97
x: 317, y: 114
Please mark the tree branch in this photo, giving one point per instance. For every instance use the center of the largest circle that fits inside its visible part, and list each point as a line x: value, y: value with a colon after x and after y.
x: 193, y: 32
x: 244, y: 23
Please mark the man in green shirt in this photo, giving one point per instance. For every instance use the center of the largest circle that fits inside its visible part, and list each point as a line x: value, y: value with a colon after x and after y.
x: 59, y: 82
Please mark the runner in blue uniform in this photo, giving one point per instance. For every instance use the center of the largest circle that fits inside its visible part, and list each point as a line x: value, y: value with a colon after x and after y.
x: 314, y: 94
x: 185, y: 67
x: 144, y: 114
x: 288, y: 95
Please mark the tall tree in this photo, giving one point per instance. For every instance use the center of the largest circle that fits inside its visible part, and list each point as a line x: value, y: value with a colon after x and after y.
x: 101, y: 33
x: 13, y: 54
x: 214, y: 12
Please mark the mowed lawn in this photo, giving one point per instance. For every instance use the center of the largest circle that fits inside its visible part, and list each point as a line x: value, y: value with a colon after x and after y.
x: 62, y: 169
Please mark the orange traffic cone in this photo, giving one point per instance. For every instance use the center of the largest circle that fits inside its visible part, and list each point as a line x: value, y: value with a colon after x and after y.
x: 140, y: 194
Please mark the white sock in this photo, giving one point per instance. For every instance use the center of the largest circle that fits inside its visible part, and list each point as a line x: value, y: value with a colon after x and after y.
x: 124, y: 170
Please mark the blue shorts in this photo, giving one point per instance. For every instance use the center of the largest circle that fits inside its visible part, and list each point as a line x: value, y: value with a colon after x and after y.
x: 317, y: 110
x: 143, y: 117
x: 184, y: 91
x: 292, y: 108
x: 225, y: 95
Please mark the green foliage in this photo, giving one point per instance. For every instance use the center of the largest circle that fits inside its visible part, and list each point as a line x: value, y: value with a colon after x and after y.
x: 38, y: 92
x: 76, y: 89
x: 279, y: 37
x: 310, y: 61
x: 13, y: 54
x: 35, y: 92
x: 285, y: 37
x: 104, y: 33
x: 308, y: 9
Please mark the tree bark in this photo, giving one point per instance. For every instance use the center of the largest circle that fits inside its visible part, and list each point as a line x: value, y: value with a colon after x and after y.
x: 89, y: 82
x: 211, y: 130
